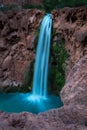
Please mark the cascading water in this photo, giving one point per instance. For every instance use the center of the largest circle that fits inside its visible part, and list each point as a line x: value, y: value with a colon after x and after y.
x: 42, y: 59
x: 38, y: 100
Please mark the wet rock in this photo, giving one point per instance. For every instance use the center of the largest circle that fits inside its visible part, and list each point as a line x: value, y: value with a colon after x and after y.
x: 7, y: 83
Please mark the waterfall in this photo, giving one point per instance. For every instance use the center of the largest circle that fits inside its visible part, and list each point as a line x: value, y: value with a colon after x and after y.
x: 38, y: 100
x: 42, y: 58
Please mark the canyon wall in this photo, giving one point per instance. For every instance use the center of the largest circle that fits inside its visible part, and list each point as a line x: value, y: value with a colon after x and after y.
x: 71, y: 23
x: 18, y: 38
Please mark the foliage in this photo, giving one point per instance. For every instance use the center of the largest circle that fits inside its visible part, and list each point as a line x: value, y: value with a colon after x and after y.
x: 72, y: 3
x: 49, y: 5
x: 57, y: 66
x: 29, y: 6
x: 9, y: 7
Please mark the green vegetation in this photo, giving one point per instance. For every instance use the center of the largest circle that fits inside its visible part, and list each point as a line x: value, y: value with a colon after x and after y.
x: 29, y: 6
x: 57, y: 66
x: 58, y: 57
x: 49, y: 5
x: 9, y: 7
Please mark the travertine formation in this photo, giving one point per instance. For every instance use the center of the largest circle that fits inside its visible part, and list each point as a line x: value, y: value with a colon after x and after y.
x: 71, y: 23
x: 75, y: 89
x: 18, y: 38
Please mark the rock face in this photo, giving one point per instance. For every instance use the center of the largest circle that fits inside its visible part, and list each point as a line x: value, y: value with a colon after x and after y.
x: 18, y: 39
x: 65, y: 118
x: 75, y: 89
x: 71, y: 23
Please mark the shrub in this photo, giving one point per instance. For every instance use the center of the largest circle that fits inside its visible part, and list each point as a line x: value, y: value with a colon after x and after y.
x: 57, y: 67
x: 29, y: 6
x: 9, y: 7
x: 49, y: 5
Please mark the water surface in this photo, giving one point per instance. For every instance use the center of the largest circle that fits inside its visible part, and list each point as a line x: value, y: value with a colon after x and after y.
x: 20, y: 102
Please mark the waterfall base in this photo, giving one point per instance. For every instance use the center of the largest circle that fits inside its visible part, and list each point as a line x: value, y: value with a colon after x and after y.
x: 20, y: 102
